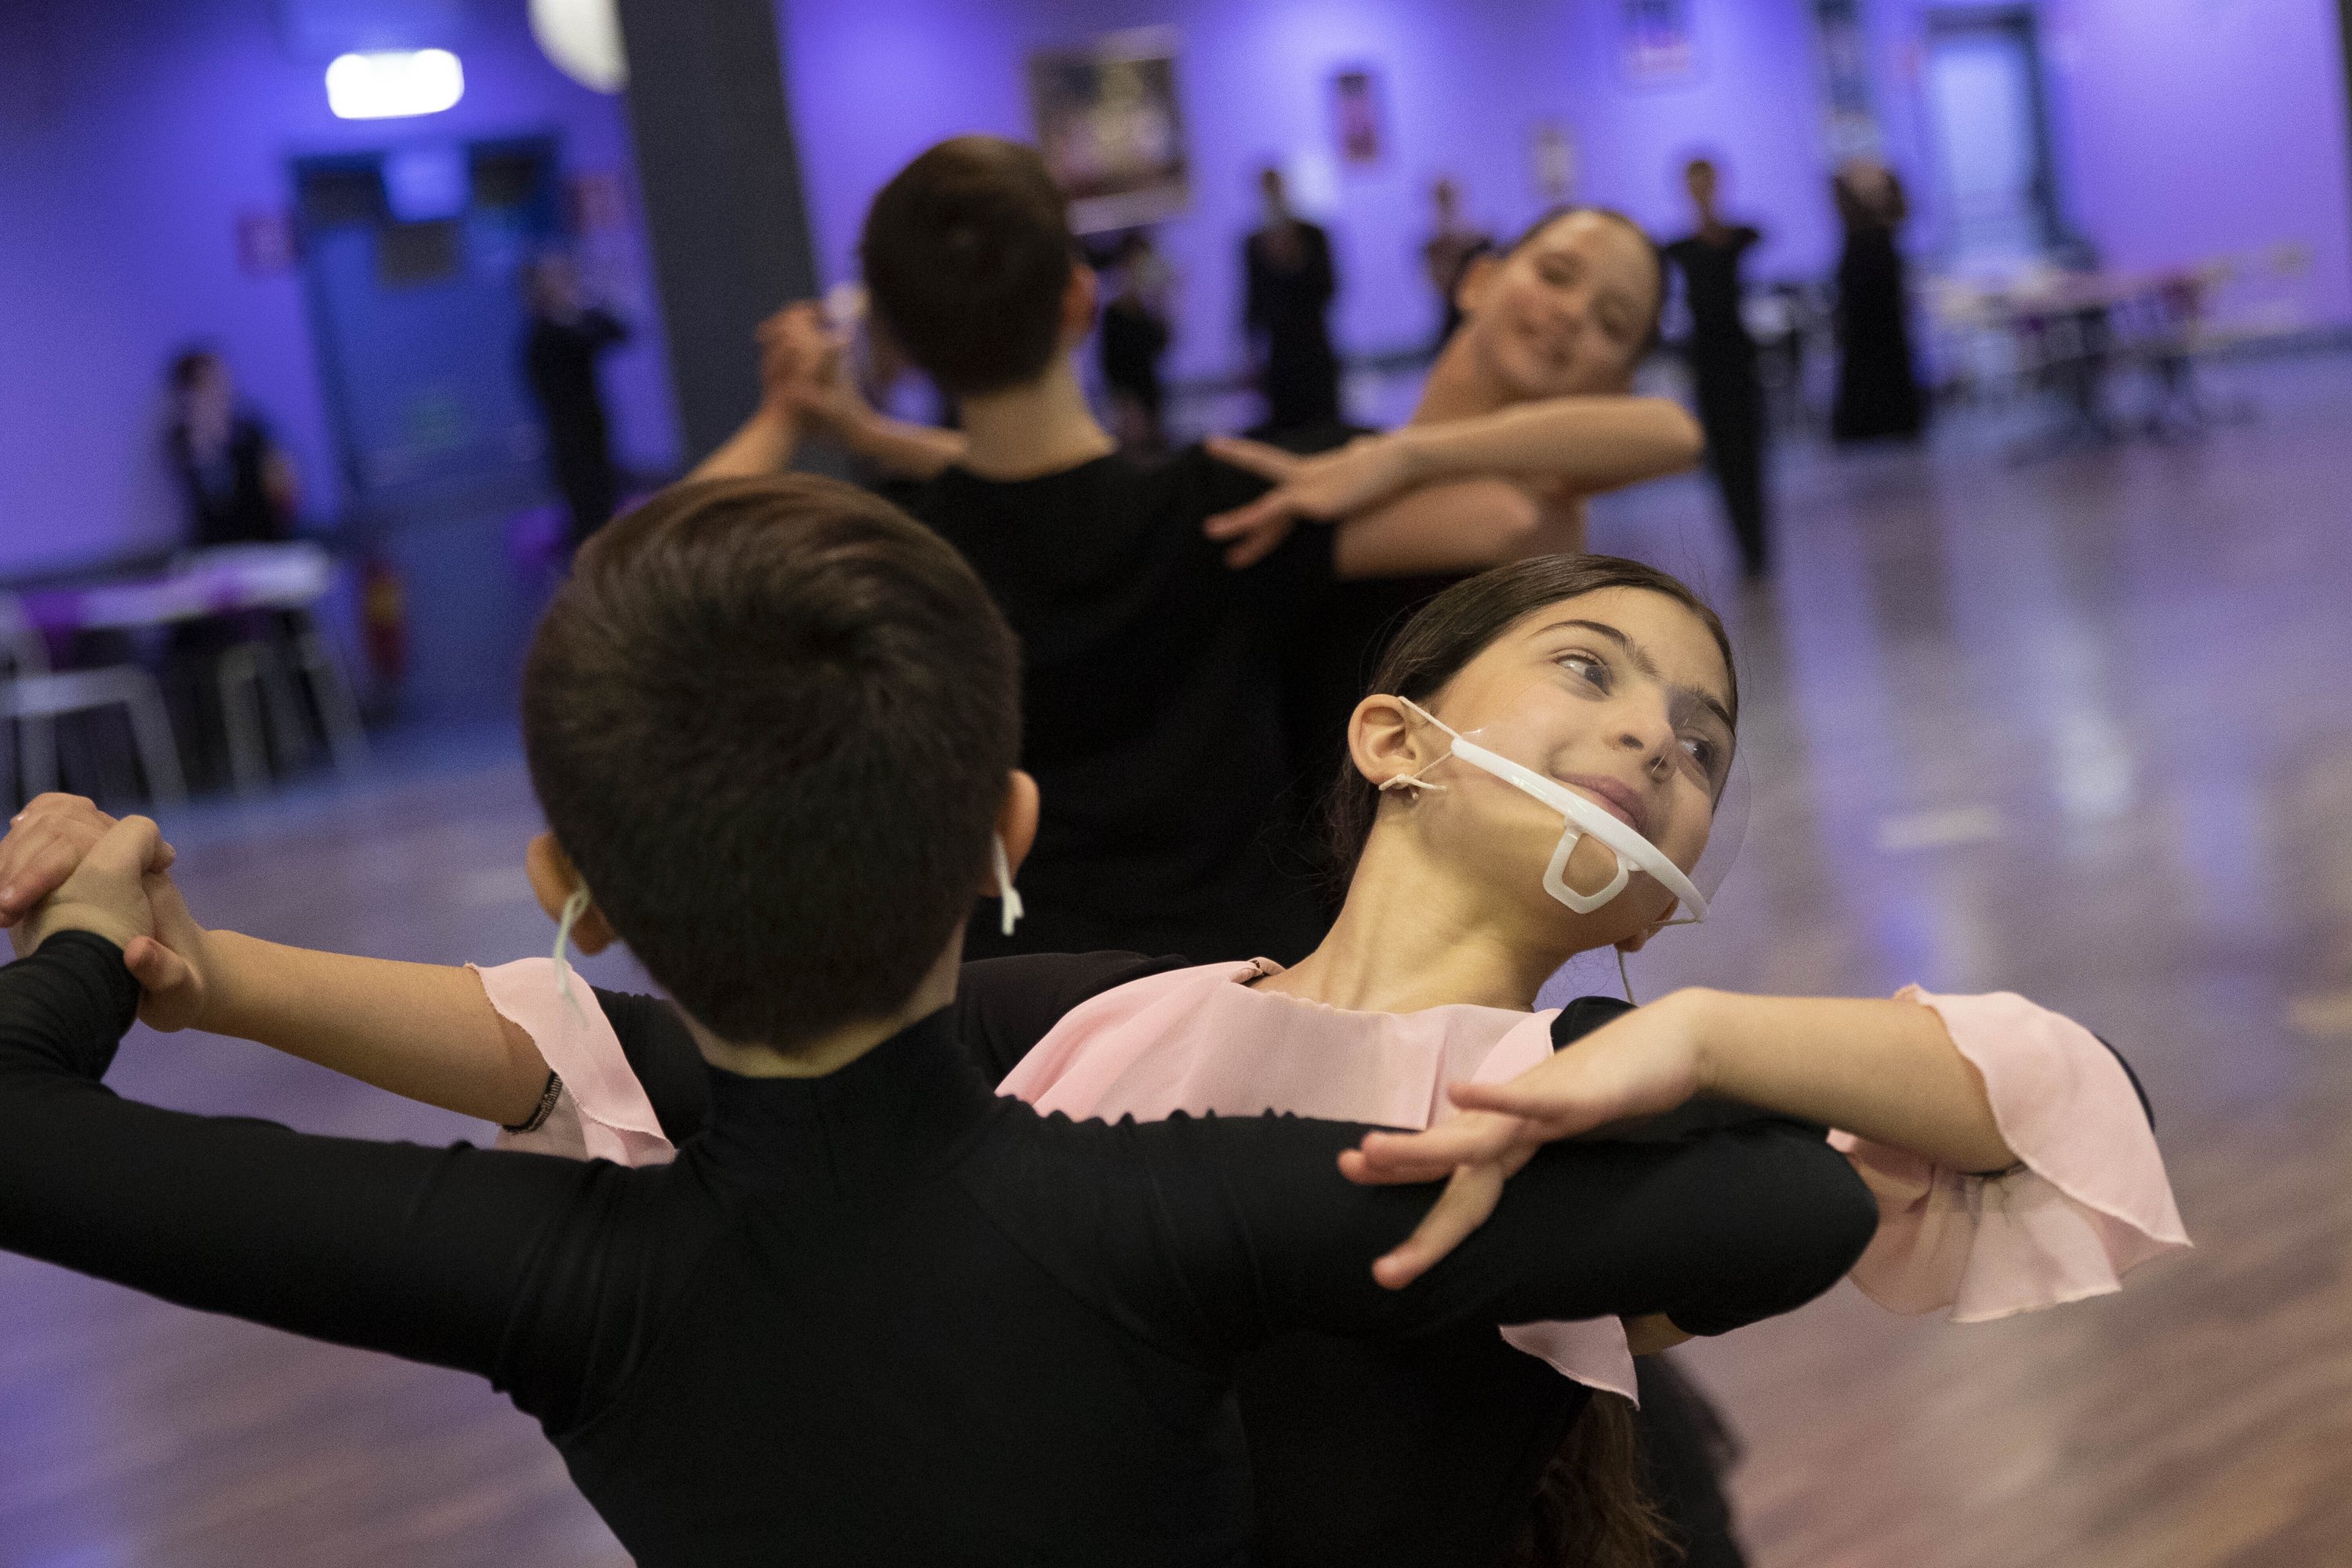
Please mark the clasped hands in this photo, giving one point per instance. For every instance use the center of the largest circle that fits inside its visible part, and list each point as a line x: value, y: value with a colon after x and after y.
x: 67, y: 865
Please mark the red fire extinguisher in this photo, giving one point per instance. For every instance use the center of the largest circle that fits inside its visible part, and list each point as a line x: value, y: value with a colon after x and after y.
x: 384, y: 620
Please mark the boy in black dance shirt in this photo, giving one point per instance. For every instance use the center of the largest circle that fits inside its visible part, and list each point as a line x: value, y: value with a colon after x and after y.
x: 1150, y: 673
x: 872, y: 1313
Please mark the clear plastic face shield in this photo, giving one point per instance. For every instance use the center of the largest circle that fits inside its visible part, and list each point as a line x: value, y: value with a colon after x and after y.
x: 1642, y: 775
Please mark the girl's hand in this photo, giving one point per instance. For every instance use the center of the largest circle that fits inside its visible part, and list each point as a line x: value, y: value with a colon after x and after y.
x: 105, y: 894
x: 1646, y: 1062
x: 803, y: 368
x: 45, y: 841
x: 1361, y: 474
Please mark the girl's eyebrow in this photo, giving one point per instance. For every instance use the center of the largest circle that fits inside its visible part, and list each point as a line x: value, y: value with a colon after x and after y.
x: 1639, y: 659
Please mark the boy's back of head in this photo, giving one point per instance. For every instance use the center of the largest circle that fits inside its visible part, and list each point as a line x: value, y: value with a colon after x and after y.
x: 967, y: 253
x: 771, y: 722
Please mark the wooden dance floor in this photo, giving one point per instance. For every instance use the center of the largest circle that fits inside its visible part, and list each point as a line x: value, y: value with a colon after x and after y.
x: 2081, y: 728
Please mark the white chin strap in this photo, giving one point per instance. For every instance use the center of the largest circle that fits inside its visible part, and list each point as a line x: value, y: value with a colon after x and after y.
x: 573, y: 908
x: 1010, y: 912
x: 1633, y: 852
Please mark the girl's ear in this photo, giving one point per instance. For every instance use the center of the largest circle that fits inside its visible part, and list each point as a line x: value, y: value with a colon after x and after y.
x: 1387, y: 741
x: 553, y: 881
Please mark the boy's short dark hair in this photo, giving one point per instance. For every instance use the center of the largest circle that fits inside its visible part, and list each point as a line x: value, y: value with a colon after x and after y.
x: 967, y: 252
x: 771, y: 722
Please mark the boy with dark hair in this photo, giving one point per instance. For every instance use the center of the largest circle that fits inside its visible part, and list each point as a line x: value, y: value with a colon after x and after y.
x: 872, y: 1313
x: 1152, y: 677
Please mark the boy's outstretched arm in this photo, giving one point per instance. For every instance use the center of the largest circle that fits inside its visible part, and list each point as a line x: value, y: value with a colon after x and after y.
x: 424, y: 1031
x: 805, y: 389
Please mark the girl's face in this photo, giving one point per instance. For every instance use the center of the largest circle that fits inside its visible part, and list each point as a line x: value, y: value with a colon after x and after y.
x: 1622, y: 695
x: 1567, y: 313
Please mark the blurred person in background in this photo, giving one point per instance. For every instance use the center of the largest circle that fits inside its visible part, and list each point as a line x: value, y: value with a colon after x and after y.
x: 1447, y: 250
x: 241, y: 488
x: 1552, y: 332
x: 1133, y: 336
x: 1288, y: 288
x: 1878, y: 388
x: 1723, y: 363
x: 566, y: 339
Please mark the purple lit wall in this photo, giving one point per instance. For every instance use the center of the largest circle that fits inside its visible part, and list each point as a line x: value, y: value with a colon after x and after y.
x: 2184, y: 129
x: 873, y: 83
x: 2199, y: 127
x: 130, y: 141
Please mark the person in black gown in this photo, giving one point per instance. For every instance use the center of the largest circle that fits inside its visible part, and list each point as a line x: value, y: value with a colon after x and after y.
x: 1723, y: 363
x: 1133, y: 336
x: 567, y: 338
x: 240, y: 487
x: 1878, y: 389
x: 1289, y: 288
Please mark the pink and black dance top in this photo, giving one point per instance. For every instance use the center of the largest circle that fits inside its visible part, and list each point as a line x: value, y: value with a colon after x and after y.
x: 882, y: 1316
x: 1426, y: 1451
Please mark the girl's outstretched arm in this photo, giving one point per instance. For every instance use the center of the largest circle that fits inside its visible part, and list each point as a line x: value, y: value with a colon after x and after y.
x: 425, y: 1031
x: 1885, y: 1071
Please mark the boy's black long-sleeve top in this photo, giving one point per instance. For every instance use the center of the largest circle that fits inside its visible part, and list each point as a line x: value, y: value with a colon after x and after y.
x: 881, y: 1316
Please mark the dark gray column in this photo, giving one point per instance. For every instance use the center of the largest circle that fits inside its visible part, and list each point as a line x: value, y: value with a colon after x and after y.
x: 2344, y: 25
x: 722, y: 194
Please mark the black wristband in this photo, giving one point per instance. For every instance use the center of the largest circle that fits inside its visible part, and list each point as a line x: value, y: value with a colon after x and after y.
x: 545, y: 1108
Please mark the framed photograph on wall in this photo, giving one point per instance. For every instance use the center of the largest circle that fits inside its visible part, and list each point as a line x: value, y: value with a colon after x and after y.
x: 1551, y: 162
x: 1359, y: 123
x: 1654, y: 44
x: 1111, y: 129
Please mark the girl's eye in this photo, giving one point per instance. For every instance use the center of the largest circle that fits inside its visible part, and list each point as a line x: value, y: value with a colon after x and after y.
x: 1592, y: 670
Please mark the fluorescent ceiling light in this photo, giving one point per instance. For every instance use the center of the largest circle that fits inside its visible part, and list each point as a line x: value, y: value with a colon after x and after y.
x: 391, y: 84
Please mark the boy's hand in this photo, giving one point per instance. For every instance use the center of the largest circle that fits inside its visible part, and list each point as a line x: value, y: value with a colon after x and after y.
x: 1359, y: 475
x: 1646, y: 1062
x: 106, y: 894
x: 47, y: 843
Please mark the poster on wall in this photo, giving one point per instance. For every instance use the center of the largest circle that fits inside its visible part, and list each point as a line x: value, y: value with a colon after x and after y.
x: 1656, y: 47
x: 1110, y: 128
x: 1355, y: 115
x: 1551, y: 162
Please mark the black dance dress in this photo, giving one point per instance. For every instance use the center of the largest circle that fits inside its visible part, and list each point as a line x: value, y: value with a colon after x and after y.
x: 560, y: 362
x: 1878, y: 389
x: 1289, y: 289
x: 1730, y: 393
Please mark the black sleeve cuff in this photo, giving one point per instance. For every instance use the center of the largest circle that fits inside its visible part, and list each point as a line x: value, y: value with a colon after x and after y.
x: 99, y: 961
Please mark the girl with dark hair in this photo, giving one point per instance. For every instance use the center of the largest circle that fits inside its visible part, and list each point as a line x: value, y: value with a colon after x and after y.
x: 2011, y: 1154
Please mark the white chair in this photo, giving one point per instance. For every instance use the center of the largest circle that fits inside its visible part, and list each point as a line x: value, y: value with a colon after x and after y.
x: 33, y: 697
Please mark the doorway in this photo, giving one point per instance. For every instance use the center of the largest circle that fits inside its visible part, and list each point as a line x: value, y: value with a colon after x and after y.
x: 1989, y: 124
x: 411, y: 256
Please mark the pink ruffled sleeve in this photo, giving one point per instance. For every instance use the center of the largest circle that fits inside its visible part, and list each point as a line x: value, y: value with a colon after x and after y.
x: 603, y: 1112
x: 2087, y: 1202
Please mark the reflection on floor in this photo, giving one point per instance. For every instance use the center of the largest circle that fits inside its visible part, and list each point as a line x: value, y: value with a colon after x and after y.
x: 2081, y: 730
